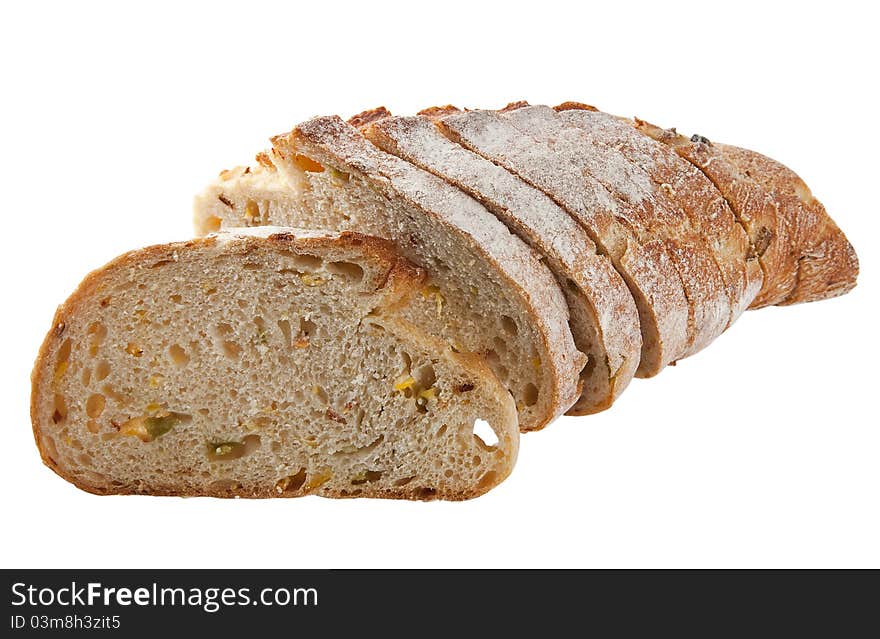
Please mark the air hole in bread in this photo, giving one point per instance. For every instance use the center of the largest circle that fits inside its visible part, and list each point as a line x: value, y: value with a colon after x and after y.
x: 62, y: 360
x: 284, y: 327
x: 96, y: 332
x: 425, y: 376
x: 117, y: 397
x: 509, y: 325
x: 86, y: 376
x: 59, y: 414
x: 403, y: 481
x: 231, y: 349
x: 348, y: 270
x: 302, y: 262
x: 307, y: 164
x: 93, y: 426
x: 500, y: 345
x: 530, y: 394
x: 231, y: 450
x: 366, y: 476
x: 291, y: 483
x: 134, y: 350
x: 211, y: 224
x: 484, y: 434
x: 177, y: 299
x: 222, y: 330
x: 307, y: 328
x: 178, y: 355
x: 252, y: 215
x: 102, y: 369
x: 321, y: 394
x: 95, y: 405
x: 262, y: 336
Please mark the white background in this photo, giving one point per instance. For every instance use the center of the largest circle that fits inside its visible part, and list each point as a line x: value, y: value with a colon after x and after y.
x: 763, y: 450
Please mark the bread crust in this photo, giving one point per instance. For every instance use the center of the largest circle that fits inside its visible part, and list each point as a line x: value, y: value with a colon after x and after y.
x: 397, y: 278
x: 802, y: 253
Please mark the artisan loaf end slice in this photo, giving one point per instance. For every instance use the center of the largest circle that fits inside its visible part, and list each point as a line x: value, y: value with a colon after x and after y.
x: 802, y: 252
x: 644, y: 263
x: 487, y: 291
x: 261, y: 364
x: 603, y: 317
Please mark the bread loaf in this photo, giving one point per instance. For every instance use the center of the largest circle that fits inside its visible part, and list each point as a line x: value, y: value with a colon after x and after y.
x: 653, y: 238
x: 264, y: 363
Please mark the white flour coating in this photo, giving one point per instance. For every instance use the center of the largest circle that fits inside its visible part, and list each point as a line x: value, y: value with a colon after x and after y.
x: 655, y: 284
x: 644, y: 205
x: 681, y: 187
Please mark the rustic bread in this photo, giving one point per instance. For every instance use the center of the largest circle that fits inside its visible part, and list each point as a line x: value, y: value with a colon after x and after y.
x: 643, y: 262
x: 488, y: 292
x: 264, y: 363
x: 641, y: 201
x: 678, y: 185
x: 803, y: 254
x: 603, y: 317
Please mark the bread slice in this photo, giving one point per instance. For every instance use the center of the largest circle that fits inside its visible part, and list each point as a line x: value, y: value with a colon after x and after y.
x: 802, y: 252
x: 603, y: 317
x: 643, y: 262
x: 487, y: 292
x: 681, y: 187
x: 270, y: 363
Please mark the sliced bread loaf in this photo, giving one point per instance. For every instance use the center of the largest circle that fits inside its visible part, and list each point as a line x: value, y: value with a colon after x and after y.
x: 604, y: 319
x: 487, y: 291
x: 265, y: 363
x: 643, y: 261
x: 802, y: 252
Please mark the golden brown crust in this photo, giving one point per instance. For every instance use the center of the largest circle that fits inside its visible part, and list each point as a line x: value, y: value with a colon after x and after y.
x: 513, y: 106
x: 264, y: 161
x: 824, y: 262
x: 574, y: 106
x: 438, y: 111
x: 804, y: 256
x: 369, y: 116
